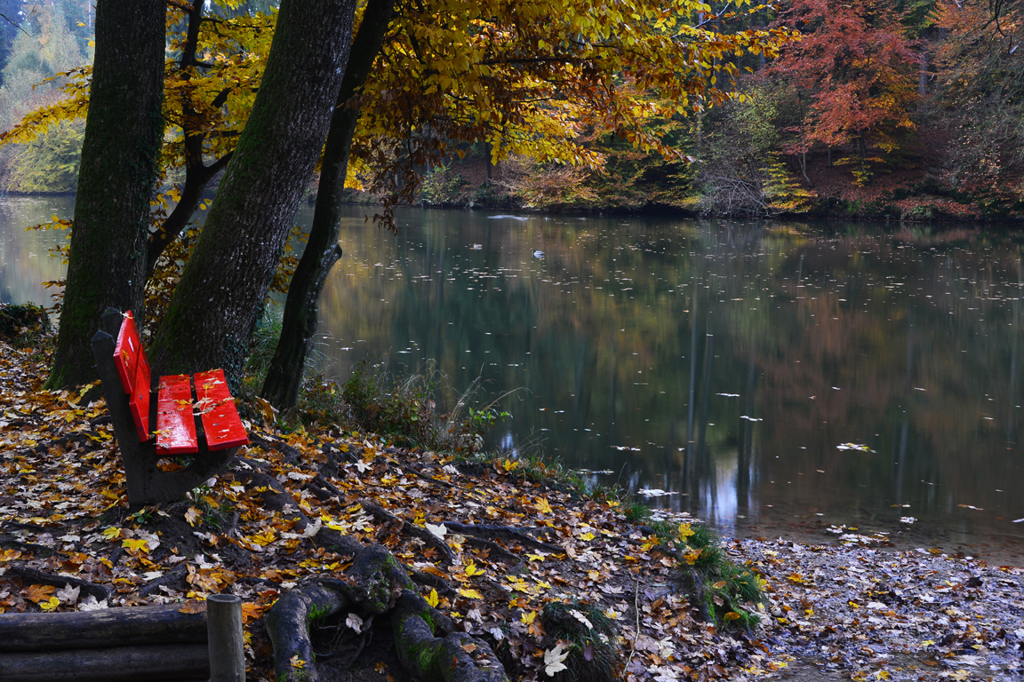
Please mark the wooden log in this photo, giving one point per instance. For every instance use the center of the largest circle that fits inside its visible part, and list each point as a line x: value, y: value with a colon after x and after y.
x: 106, y: 627
x: 114, y: 664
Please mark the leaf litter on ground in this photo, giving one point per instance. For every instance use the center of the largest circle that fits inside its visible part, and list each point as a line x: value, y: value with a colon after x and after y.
x: 68, y: 542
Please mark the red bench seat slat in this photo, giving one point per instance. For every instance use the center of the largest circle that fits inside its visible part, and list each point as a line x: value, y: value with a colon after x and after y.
x: 175, y: 423
x: 221, y: 422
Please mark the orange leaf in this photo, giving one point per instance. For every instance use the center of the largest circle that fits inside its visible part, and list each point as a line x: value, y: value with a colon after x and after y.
x: 38, y: 593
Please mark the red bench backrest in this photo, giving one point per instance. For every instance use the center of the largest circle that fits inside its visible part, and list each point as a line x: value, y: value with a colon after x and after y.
x: 133, y: 368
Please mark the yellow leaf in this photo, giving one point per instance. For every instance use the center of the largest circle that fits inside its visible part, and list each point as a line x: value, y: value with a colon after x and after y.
x: 470, y: 594
x: 50, y: 604
x: 112, y: 533
x: 297, y: 662
x: 472, y: 570
x: 588, y: 536
x: 527, y: 618
x: 193, y: 515
x: 542, y: 506
x: 134, y: 545
x: 732, y: 615
x: 535, y: 557
x: 432, y: 598
x: 685, y: 531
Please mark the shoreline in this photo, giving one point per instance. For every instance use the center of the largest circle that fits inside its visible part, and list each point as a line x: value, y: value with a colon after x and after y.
x: 829, y: 612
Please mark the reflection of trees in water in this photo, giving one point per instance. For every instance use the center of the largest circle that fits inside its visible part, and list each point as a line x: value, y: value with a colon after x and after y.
x: 923, y: 347
x: 25, y: 260
x: 633, y: 330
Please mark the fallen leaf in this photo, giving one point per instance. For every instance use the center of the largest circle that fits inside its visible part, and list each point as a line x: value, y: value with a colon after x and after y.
x: 39, y: 593
x: 554, y: 660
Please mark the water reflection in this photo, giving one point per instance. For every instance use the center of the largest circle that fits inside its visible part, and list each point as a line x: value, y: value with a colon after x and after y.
x: 724, y: 363
x: 773, y: 379
x: 25, y: 262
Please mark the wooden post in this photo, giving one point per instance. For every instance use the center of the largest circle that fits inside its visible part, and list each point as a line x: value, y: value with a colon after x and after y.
x: 227, y: 648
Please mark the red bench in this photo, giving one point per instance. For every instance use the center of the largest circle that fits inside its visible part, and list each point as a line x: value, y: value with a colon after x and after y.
x: 135, y: 408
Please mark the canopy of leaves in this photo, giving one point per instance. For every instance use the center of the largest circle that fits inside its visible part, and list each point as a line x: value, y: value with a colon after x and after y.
x: 854, y: 69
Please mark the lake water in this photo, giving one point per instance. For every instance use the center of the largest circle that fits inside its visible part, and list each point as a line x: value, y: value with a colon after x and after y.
x: 774, y: 378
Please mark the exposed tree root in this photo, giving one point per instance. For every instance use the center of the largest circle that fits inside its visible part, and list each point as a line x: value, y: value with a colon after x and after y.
x: 374, y: 585
x: 520, y: 535
x: 431, y: 540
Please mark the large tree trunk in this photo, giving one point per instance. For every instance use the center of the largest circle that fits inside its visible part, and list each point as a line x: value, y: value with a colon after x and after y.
x: 284, y: 377
x: 216, y: 305
x: 107, y: 263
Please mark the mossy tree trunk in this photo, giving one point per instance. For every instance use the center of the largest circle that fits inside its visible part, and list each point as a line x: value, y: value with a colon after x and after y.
x: 217, y: 303
x: 284, y: 377
x: 107, y: 262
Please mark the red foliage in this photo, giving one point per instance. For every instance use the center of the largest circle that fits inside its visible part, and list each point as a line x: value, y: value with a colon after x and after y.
x: 854, y: 72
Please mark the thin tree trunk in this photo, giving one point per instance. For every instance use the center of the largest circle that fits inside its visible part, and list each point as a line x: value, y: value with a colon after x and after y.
x: 301, y: 311
x: 216, y: 305
x: 107, y: 261
x: 197, y: 175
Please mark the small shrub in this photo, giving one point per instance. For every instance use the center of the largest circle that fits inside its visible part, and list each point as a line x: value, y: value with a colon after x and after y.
x: 406, y: 410
x: 637, y: 512
x: 23, y: 323
x: 721, y: 590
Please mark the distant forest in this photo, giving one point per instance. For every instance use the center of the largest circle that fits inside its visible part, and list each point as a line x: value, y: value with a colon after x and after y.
x: 903, y: 109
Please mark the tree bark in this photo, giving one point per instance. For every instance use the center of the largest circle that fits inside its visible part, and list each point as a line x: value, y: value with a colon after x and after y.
x: 215, y: 307
x: 301, y: 310
x: 103, y: 628
x: 107, y: 261
x: 116, y: 664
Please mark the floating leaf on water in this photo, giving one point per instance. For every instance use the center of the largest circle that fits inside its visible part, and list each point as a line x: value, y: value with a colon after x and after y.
x: 655, y: 492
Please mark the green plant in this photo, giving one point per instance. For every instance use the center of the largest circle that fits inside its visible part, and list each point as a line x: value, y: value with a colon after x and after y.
x: 264, y: 343
x: 212, y: 513
x: 142, y: 517
x: 722, y: 591
x: 593, y: 652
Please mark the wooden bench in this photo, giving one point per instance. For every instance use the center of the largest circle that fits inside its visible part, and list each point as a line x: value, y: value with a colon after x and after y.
x: 134, y: 409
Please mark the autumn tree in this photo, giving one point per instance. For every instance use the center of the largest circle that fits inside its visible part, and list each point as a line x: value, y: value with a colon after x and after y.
x: 252, y: 213
x: 526, y: 81
x: 107, y: 263
x: 301, y: 310
x: 522, y: 80
x: 981, y: 93
x: 854, y: 74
